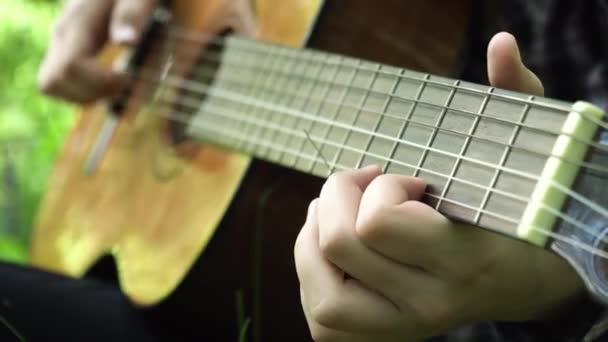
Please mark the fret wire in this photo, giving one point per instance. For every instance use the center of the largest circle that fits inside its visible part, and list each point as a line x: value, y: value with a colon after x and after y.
x: 335, y: 114
x: 590, y: 143
x: 430, y: 104
x: 286, y: 66
x: 254, y: 89
x: 215, y: 130
x: 357, y: 150
x: 243, y: 106
x: 406, y: 121
x: 262, y: 89
x: 307, y: 99
x: 293, y: 98
x: 340, y: 167
x: 503, y: 160
x: 512, y: 171
x: 574, y: 195
x: 567, y: 218
x: 385, y: 106
x: 188, y: 84
x: 438, y: 123
x: 464, y: 181
x: 522, y: 125
x: 317, y: 112
x: 511, y: 98
x: 220, y: 129
x: 253, y: 46
x: 465, y: 146
x: 359, y: 110
x: 347, y: 135
x: 312, y: 121
x: 351, y: 81
x: 521, y: 174
x: 290, y: 111
x: 519, y: 100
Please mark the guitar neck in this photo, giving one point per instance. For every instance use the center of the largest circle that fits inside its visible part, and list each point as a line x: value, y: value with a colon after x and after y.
x: 481, y: 150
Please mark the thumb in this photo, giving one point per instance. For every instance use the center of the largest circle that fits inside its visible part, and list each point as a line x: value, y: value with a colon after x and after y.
x: 129, y: 18
x: 506, y: 69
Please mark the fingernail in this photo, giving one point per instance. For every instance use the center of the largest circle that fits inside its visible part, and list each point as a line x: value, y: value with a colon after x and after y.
x: 124, y: 34
x: 371, y: 167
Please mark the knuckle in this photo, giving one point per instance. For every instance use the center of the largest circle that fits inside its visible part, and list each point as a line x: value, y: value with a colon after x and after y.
x: 388, y: 181
x: 69, y: 68
x: 52, y: 77
x: 374, y: 225
x: 385, y: 179
x: 48, y: 82
x: 329, y: 314
x: 334, y: 179
x: 335, y: 244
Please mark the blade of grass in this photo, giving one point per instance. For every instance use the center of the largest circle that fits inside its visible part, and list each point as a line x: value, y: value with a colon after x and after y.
x: 12, y: 329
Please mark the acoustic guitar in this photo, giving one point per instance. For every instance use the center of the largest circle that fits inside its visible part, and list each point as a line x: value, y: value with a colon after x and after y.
x: 196, y: 181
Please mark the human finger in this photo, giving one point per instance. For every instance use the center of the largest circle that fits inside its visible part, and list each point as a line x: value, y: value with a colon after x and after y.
x: 338, y: 209
x: 391, y: 228
x: 331, y: 300
x: 411, y: 234
x: 507, y: 70
x: 79, y: 34
x: 386, y: 192
x: 349, y: 186
x: 87, y: 81
x: 129, y: 19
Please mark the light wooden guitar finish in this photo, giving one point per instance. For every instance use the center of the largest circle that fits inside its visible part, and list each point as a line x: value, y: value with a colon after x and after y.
x: 151, y: 209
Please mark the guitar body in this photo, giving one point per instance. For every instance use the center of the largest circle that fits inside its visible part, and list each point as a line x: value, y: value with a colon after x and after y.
x: 203, y: 237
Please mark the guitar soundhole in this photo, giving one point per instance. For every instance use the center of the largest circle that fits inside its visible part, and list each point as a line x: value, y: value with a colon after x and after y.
x: 203, y: 72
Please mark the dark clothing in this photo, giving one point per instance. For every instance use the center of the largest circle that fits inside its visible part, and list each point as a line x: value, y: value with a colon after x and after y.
x: 565, y: 43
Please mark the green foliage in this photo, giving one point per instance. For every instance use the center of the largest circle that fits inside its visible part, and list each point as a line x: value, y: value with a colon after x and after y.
x: 32, y: 127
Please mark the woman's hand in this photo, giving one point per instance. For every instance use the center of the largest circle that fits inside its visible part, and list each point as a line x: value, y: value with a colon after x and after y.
x: 376, y: 264
x: 70, y: 70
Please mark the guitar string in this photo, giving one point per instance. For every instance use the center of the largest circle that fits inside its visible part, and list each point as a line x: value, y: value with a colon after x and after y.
x: 201, y: 39
x: 589, y: 165
x: 209, y: 39
x: 196, y: 50
x: 555, y: 212
x: 200, y: 88
x: 220, y: 130
x: 269, y: 125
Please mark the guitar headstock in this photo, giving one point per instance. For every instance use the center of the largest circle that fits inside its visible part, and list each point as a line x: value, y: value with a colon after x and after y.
x: 581, y: 236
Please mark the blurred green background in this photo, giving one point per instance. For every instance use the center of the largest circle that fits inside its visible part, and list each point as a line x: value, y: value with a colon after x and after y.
x: 32, y: 127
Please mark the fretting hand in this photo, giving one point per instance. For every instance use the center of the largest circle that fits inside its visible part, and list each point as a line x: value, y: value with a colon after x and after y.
x: 70, y: 69
x: 376, y: 264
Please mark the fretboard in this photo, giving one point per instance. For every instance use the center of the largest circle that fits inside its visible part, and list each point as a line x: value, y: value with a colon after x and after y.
x: 480, y: 149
